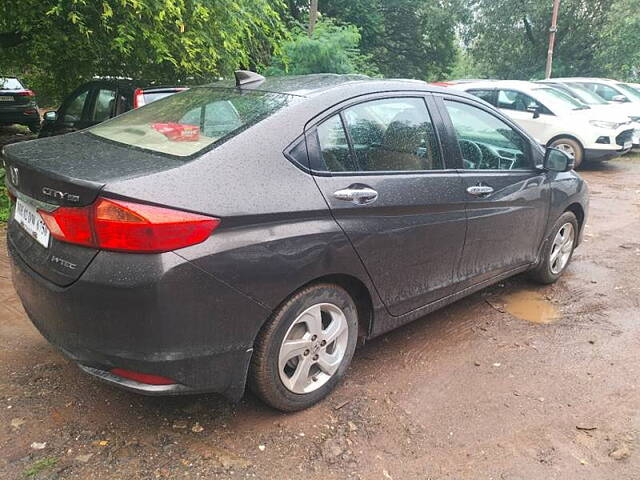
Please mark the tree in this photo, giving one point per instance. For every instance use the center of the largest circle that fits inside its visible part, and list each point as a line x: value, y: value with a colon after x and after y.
x: 330, y: 48
x: 59, y: 43
x: 619, y: 55
x: 403, y: 38
x: 508, y: 39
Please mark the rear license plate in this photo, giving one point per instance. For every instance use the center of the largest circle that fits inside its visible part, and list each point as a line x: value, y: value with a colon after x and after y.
x: 31, y: 221
x: 5, y: 98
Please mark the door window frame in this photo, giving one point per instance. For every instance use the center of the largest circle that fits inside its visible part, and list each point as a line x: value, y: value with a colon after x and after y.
x: 95, y: 91
x: 314, y: 155
x: 449, y: 133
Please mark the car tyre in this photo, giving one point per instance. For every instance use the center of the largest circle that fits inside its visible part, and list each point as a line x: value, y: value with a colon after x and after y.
x: 570, y: 146
x: 558, y: 250
x: 305, y: 348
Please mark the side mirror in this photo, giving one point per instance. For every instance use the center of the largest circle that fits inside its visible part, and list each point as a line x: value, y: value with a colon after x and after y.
x: 50, y: 116
x: 535, y: 110
x: 558, y: 161
x: 620, y: 99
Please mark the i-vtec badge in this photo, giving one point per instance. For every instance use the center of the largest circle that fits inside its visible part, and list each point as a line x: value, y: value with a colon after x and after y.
x: 58, y: 195
x: 14, y: 175
x: 62, y: 262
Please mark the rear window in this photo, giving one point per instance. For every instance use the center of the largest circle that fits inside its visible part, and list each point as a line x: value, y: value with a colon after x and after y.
x: 150, y: 97
x: 187, y: 123
x: 10, y: 84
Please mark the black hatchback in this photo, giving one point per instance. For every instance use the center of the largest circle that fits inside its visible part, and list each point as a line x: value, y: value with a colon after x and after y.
x: 251, y: 233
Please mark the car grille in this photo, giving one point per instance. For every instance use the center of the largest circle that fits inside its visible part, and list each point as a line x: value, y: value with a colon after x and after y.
x: 625, y: 136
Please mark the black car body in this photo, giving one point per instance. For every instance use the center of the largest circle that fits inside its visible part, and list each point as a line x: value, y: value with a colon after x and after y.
x: 402, y: 239
x: 18, y: 104
x: 99, y: 100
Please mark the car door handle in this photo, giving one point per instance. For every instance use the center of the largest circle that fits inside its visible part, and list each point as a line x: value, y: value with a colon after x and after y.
x: 359, y: 195
x: 480, y: 190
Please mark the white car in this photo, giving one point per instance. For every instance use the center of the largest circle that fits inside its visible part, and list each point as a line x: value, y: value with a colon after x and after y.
x: 556, y: 119
x: 596, y: 102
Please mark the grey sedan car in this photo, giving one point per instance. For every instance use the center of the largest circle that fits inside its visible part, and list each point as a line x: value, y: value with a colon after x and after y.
x: 251, y: 232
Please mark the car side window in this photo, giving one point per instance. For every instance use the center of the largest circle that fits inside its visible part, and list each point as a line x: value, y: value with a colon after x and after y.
x: 521, y: 102
x: 485, y: 141
x: 75, y: 107
x: 393, y: 134
x: 334, y: 146
x: 486, y: 95
x: 604, y: 91
x: 104, y: 105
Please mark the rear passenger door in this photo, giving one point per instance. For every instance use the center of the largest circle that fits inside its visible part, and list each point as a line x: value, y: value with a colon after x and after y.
x: 383, y: 173
x: 507, y: 197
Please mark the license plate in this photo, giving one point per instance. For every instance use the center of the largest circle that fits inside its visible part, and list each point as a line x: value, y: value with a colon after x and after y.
x: 627, y: 145
x: 31, y: 221
x: 6, y: 99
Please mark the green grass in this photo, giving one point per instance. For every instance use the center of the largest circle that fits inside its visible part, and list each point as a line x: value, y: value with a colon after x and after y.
x: 4, y: 199
x: 39, y: 466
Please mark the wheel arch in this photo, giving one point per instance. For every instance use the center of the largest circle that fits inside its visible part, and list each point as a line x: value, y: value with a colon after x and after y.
x: 566, y: 135
x: 578, y: 211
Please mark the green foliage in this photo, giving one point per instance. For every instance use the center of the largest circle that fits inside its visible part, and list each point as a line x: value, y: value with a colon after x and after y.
x: 56, y: 44
x: 39, y: 466
x: 4, y: 198
x: 619, y: 54
x: 330, y: 49
x: 405, y: 38
x: 509, y: 39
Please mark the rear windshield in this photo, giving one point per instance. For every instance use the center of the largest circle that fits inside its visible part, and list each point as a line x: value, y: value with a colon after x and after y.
x: 188, y: 122
x: 10, y: 84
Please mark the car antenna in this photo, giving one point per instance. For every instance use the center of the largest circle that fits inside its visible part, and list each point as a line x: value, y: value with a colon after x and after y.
x: 243, y: 77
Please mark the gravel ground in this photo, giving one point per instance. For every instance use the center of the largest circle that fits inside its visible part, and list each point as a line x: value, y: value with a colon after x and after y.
x: 515, y: 382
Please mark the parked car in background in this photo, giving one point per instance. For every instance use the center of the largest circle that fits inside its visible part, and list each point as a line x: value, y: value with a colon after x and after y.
x: 257, y: 230
x: 99, y: 100
x: 596, y: 102
x: 556, y: 119
x: 18, y: 104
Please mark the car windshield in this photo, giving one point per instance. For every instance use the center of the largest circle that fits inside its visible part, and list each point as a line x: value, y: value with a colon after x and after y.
x: 587, y: 96
x: 555, y: 99
x: 630, y: 92
x: 10, y: 84
x: 188, y: 122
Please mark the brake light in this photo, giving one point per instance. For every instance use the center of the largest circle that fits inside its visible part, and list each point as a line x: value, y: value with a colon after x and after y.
x: 123, y: 226
x: 142, y: 377
x: 178, y: 132
x: 25, y: 93
x: 138, y: 98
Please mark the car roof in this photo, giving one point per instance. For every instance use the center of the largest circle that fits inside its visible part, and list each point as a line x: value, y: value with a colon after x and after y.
x: 315, y: 84
x: 517, y: 84
x: 585, y: 79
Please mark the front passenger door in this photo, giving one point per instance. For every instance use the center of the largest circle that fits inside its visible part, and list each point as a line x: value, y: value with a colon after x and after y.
x: 74, y: 113
x: 507, y: 198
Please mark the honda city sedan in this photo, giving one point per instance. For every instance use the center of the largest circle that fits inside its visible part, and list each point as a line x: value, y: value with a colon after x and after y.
x: 253, y: 232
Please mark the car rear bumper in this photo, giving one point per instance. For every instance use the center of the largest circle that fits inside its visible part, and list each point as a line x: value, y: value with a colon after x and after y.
x: 153, y: 314
x: 27, y: 114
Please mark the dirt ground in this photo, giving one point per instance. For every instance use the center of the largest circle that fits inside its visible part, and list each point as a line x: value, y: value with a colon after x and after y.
x: 516, y: 382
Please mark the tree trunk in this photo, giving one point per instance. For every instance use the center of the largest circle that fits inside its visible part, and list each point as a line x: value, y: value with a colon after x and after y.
x: 313, y: 15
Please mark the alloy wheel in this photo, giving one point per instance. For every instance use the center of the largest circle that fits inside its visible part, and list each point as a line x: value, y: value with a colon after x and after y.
x: 313, y: 348
x: 561, y: 248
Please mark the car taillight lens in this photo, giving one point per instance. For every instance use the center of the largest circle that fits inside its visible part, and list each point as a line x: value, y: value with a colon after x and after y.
x: 25, y: 93
x: 138, y: 98
x: 128, y: 227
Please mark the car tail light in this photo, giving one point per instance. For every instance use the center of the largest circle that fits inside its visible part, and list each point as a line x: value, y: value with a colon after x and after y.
x: 138, y: 98
x: 178, y: 132
x: 142, y: 377
x: 25, y: 93
x: 128, y: 227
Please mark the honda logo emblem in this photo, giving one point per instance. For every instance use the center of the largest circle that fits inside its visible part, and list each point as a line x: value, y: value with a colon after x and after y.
x: 14, y: 175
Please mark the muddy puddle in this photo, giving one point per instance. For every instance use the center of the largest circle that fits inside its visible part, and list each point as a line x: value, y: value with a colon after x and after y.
x: 530, y: 306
